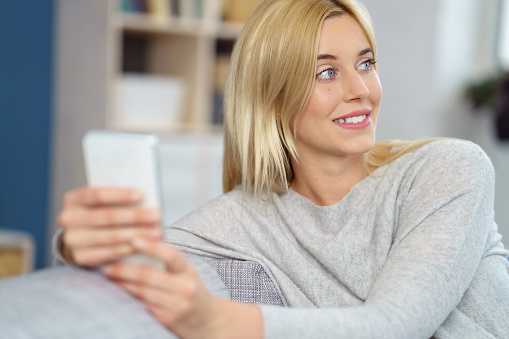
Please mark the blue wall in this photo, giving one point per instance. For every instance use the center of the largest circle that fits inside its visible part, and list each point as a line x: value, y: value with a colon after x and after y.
x: 26, y: 84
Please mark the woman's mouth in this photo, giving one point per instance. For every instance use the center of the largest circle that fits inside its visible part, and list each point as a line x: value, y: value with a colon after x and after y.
x: 354, y: 120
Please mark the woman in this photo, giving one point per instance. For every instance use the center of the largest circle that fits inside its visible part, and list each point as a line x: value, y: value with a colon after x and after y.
x: 362, y: 238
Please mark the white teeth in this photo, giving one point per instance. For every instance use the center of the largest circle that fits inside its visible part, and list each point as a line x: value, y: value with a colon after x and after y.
x: 352, y: 120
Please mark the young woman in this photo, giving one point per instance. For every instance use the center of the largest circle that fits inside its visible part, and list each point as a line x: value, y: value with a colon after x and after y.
x: 362, y: 239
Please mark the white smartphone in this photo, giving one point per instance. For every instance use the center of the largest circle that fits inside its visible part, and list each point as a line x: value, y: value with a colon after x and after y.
x: 125, y: 159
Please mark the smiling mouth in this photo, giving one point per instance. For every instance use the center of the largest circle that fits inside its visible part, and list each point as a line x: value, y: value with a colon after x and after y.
x: 352, y: 120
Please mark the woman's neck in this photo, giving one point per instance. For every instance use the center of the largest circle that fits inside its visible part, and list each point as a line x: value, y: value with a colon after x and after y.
x: 327, y: 182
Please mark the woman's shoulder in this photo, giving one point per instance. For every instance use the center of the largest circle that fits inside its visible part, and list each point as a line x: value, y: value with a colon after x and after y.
x: 448, y: 160
x: 447, y: 154
x: 451, y: 148
x: 224, y: 203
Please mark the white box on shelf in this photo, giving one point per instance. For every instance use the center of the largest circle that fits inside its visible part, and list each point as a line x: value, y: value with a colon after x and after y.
x: 146, y: 101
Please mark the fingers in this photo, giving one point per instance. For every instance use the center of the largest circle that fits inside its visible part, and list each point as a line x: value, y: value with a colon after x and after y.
x: 169, y: 295
x: 111, y: 245
x: 91, y: 247
x: 94, y: 256
x: 79, y: 217
x: 156, y: 287
x: 161, y: 313
x: 91, y: 196
x: 84, y: 237
x: 175, y: 261
x: 99, y: 224
x: 168, y: 308
x: 153, y: 278
x: 149, y: 295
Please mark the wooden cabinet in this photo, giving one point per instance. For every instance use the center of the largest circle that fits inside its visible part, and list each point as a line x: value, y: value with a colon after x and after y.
x: 16, y: 253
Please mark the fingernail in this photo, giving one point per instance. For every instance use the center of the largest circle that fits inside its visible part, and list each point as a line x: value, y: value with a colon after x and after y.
x: 151, y: 216
x: 139, y: 243
x: 177, y: 266
x: 107, y: 269
x: 155, y: 232
x: 136, y: 195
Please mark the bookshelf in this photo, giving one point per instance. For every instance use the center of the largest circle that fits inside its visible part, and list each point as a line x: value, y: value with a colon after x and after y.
x: 98, y: 43
x: 114, y: 51
x: 170, y: 46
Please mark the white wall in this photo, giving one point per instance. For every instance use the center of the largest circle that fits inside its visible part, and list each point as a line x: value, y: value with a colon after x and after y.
x: 191, y: 167
x: 428, y: 51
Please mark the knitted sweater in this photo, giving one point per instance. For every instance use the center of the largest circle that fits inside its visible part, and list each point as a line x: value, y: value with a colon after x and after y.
x: 412, y: 251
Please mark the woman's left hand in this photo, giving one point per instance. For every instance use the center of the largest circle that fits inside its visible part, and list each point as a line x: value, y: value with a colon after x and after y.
x: 177, y: 297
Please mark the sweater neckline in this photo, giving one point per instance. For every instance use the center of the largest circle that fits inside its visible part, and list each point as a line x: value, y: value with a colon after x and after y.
x: 359, y: 186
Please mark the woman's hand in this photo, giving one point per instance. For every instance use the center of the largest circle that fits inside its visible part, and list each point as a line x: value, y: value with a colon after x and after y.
x: 178, y: 298
x: 99, y: 224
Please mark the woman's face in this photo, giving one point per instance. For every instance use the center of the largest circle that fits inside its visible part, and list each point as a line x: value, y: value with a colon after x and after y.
x: 340, y: 117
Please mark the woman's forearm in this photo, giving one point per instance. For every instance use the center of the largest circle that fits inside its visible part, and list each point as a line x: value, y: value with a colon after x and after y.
x: 238, y: 320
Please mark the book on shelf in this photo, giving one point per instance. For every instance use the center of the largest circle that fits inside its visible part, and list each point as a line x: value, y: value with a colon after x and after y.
x: 212, y: 10
x: 239, y: 10
x: 163, y: 10
x: 159, y: 10
x: 140, y: 6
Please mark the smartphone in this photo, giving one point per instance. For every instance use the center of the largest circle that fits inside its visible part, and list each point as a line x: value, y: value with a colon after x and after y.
x: 126, y: 159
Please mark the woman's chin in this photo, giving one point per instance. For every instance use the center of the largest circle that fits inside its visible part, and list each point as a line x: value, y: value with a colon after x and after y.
x: 361, y: 146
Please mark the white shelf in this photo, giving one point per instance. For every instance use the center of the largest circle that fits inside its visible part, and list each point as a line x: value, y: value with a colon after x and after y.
x: 143, y: 23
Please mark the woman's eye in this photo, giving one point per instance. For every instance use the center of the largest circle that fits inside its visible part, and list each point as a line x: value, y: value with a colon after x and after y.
x: 366, y: 65
x: 327, y: 74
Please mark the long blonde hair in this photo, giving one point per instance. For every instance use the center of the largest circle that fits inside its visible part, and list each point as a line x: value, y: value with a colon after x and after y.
x: 270, y: 80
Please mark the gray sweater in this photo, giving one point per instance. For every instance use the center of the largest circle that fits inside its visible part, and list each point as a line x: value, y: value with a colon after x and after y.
x: 412, y: 251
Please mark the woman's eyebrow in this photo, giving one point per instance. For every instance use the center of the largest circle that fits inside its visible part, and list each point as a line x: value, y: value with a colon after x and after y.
x: 326, y: 56
x: 366, y: 51
x: 332, y: 57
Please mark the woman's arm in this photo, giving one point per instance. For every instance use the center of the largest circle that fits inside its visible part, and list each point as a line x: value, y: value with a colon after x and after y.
x: 444, y: 223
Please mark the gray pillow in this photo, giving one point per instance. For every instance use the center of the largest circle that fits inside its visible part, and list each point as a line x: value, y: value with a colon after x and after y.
x: 70, y: 302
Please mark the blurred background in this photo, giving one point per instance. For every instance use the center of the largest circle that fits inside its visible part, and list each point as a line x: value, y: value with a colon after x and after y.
x: 67, y: 66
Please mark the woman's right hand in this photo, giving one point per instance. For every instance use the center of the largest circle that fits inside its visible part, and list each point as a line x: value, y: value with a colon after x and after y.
x: 99, y: 224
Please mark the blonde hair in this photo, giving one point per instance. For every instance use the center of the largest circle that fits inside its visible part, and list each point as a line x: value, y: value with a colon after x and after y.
x: 270, y: 80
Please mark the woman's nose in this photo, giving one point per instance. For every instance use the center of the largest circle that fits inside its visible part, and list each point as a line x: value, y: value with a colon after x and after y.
x: 355, y: 87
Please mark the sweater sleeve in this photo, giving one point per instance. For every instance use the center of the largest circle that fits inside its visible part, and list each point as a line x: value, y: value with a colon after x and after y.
x: 445, y: 217
x: 56, y: 249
